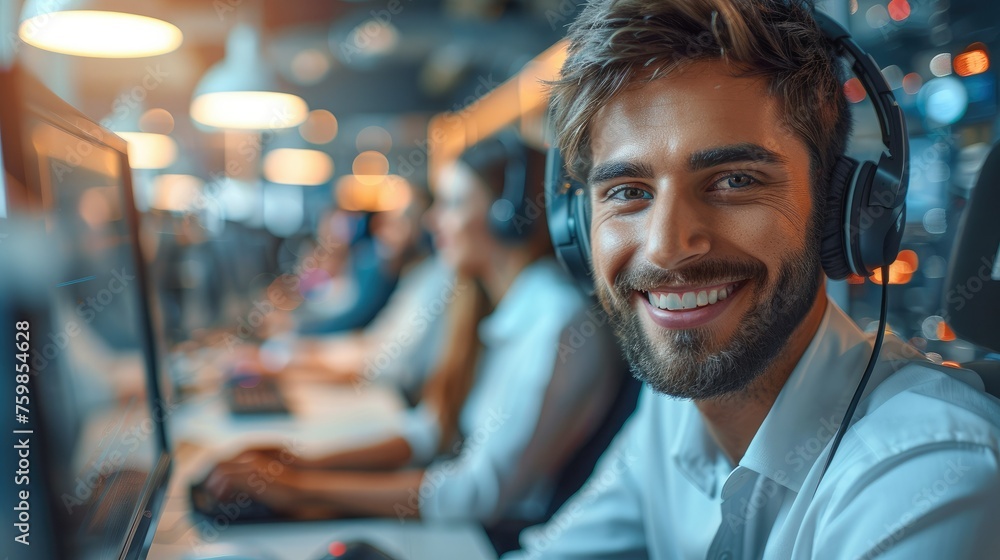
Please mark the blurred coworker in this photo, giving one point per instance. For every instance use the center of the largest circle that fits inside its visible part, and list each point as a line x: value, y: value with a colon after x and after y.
x: 386, y: 243
x: 400, y: 344
x: 488, y: 388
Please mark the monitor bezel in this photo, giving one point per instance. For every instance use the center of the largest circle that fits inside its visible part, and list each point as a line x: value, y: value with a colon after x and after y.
x: 34, y: 99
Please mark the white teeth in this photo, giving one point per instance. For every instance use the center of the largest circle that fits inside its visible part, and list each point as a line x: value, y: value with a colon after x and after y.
x: 689, y: 300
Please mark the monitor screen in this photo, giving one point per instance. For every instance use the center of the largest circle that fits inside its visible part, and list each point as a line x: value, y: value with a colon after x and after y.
x: 100, y: 461
x: 98, y: 415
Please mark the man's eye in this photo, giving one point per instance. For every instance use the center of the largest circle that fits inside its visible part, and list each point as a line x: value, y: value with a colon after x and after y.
x: 629, y: 193
x: 736, y: 181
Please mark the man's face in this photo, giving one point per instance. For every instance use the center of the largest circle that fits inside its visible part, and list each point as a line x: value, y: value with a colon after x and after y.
x: 703, y: 235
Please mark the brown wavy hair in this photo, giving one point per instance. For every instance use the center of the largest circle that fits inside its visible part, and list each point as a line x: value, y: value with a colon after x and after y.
x: 616, y: 43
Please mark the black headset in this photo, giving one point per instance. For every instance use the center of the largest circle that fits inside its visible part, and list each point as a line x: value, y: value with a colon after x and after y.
x: 865, y: 210
x: 507, y: 213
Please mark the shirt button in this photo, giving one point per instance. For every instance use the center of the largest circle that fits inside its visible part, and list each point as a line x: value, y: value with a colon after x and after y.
x: 726, y: 556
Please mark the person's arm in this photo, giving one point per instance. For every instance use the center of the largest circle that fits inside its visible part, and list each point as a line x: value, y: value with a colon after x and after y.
x: 587, y: 376
x: 945, y: 504
x: 391, y: 453
x: 605, y: 518
x: 310, y: 494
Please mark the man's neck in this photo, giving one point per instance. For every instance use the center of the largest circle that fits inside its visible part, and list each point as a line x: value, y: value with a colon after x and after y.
x: 734, y: 420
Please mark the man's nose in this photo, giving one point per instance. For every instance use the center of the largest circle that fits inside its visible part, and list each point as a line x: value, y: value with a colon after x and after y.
x: 678, y: 232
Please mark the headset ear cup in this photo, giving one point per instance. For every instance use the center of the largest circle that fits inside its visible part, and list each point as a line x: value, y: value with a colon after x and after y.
x: 833, y: 248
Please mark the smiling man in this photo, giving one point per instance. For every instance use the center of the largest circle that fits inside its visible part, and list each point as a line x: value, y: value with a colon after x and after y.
x: 706, y: 132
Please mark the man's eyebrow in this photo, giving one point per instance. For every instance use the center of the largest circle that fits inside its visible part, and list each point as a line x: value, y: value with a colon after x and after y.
x: 615, y: 169
x: 746, y: 152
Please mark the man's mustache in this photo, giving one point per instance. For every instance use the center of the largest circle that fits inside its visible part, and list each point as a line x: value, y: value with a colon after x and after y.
x: 646, y: 277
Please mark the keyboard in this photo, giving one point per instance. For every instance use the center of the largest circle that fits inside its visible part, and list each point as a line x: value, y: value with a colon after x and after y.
x: 255, y: 395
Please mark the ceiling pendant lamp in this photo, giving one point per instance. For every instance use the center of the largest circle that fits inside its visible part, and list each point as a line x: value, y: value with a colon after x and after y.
x: 241, y: 92
x: 98, y: 28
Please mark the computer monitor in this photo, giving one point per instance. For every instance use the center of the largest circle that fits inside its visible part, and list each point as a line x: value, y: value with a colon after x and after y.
x: 89, y: 465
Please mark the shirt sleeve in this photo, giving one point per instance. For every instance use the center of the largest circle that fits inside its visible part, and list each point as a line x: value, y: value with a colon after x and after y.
x: 423, y: 432
x: 470, y: 485
x: 950, y: 507
x: 605, y: 518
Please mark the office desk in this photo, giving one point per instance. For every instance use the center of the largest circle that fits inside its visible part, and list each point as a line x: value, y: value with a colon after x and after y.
x: 327, y: 418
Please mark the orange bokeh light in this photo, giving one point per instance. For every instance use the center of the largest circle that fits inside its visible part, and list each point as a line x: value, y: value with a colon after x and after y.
x: 854, y: 90
x: 912, y: 83
x: 974, y: 60
x: 901, y: 270
x: 899, y: 10
x: 944, y: 332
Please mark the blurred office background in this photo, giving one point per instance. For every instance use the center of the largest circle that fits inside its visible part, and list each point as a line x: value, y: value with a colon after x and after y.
x: 382, y: 91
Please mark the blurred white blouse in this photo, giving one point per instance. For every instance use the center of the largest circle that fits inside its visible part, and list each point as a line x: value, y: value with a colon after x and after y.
x: 524, y: 343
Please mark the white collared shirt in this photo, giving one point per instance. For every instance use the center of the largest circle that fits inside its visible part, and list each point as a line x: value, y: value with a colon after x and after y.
x: 521, y: 349
x: 916, y: 476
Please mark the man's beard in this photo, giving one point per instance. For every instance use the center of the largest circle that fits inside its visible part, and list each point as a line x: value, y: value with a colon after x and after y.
x: 688, y: 366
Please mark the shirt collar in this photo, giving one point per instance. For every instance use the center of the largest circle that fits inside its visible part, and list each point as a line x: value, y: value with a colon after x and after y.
x: 803, y: 419
x: 519, y: 304
x: 812, y: 403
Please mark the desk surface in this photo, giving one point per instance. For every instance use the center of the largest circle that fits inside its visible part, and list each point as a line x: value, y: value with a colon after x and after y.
x: 327, y: 417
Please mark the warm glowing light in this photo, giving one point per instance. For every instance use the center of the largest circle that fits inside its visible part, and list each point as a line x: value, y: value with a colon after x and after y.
x: 912, y: 83
x: 98, y: 206
x: 899, y: 10
x: 249, y: 110
x: 974, y: 60
x: 147, y: 150
x: 380, y: 193
x: 157, y: 120
x: 337, y: 548
x: 855, y: 279
x: 100, y: 34
x: 310, y: 66
x: 374, y: 38
x: 320, y: 127
x: 854, y: 90
x: 940, y: 65
x: 901, y: 270
x: 175, y: 192
x: 944, y: 332
x: 369, y: 166
x: 297, y: 167
x: 374, y: 138
x: 949, y: 363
